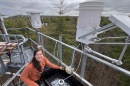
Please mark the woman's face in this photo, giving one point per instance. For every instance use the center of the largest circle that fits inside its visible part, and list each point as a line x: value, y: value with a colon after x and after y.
x: 39, y: 56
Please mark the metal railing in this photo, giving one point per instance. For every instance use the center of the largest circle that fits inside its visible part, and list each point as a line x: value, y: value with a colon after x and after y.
x: 16, y: 38
x: 113, y: 66
x: 20, y: 39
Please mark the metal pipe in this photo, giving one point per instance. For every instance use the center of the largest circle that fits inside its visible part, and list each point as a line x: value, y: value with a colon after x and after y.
x: 85, y: 81
x: 124, y: 49
x: 116, y: 37
x: 16, y: 74
x: 11, y: 73
x: 104, y: 56
x: 123, y: 52
x: 24, y: 40
x: 57, y: 41
x: 97, y: 30
x: 2, y: 65
x: 60, y: 48
x: 12, y: 35
x: 84, y: 62
x: 20, y: 52
x: 111, y: 43
x: 42, y: 41
x: 73, y: 56
x: 3, y: 26
x: 99, y: 39
x: 10, y: 79
x: 107, y: 29
x: 126, y: 72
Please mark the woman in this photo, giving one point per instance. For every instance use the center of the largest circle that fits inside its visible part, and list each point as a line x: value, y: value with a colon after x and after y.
x: 32, y: 72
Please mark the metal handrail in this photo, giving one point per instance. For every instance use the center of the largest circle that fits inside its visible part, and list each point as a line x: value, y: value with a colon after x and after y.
x: 86, y: 54
x: 16, y: 74
x: 17, y: 35
x: 98, y: 60
x: 89, y: 55
x: 73, y: 48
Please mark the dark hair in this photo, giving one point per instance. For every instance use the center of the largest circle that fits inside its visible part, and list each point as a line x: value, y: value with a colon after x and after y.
x: 35, y: 63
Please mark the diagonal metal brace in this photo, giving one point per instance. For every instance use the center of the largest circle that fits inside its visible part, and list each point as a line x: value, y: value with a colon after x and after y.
x: 97, y: 30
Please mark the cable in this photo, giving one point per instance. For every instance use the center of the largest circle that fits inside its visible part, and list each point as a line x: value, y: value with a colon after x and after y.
x: 75, y: 70
x: 77, y: 66
x: 74, y: 53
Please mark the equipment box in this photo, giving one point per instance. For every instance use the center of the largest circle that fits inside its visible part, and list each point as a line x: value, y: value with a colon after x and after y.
x: 55, y: 77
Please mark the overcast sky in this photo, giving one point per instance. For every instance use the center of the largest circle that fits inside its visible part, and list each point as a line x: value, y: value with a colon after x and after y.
x: 49, y: 7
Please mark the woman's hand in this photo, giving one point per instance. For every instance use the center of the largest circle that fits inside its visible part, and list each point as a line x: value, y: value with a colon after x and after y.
x: 61, y: 68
